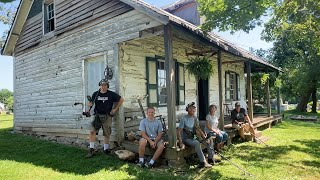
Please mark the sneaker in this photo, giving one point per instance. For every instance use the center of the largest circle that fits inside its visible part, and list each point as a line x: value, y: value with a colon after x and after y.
x: 106, y: 151
x: 204, y: 165
x: 149, y: 165
x: 140, y: 164
x: 211, y: 161
x: 90, y: 153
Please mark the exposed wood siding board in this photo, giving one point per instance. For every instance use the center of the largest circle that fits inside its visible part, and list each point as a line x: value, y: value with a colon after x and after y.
x: 74, y: 24
x: 81, y: 13
x: 29, y: 46
x: 66, y: 4
x: 28, y: 42
x: 62, y: 10
x: 32, y: 28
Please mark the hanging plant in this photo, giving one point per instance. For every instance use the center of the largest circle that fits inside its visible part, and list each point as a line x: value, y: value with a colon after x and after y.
x: 200, y: 67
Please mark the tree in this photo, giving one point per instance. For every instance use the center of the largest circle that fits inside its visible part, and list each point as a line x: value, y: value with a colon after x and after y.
x: 6, y: 97
x: 7, y: 12
x: 294, y: 28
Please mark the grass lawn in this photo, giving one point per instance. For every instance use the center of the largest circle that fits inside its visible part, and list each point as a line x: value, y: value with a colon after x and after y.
x: 294, y: 153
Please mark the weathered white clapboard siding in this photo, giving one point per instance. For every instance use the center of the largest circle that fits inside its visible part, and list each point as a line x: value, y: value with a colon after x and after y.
x: 46, y: 90
x: 31, y: 33
x: 133, y: 57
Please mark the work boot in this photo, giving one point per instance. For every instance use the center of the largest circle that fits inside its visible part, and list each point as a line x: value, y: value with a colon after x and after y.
x: 90, y: 153
x: 106, y: 151
x: 140, y: 164
x: 204, y: 164
x: 211, y: 161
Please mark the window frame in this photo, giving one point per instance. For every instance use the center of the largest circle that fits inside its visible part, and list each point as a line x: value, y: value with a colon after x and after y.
x: 156, y: 59
x: 235, y: 87
x: 46, y: 20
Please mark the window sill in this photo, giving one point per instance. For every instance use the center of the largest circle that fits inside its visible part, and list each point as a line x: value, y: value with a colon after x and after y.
x: 48, y: 36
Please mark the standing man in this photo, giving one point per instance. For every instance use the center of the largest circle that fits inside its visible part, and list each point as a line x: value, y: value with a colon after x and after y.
x: 151, y: 132
x: 103, y: 113
x: 239, y: 116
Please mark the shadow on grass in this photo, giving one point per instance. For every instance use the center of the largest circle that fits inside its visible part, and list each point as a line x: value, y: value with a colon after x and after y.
x: 67, y: 159
x: 266, y: 157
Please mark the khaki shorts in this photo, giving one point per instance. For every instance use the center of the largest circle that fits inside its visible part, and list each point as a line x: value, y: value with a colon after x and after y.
x: 158, y: 144
x: 237, y: 126
x: 103, y: 121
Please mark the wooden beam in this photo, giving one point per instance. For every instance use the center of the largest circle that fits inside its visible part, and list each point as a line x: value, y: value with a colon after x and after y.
x: 249, y: 90
x: 201, y: 53
x: 268, y: 97
x: 221, y: 97
x: 171, y: 89
x: 232, y: 62
x: 278, y: 98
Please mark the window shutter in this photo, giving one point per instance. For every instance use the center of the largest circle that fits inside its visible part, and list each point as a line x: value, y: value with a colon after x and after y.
x: 227, y: 86
x: 238, y: 87
x: 152, y: 85
x: 180, y: 84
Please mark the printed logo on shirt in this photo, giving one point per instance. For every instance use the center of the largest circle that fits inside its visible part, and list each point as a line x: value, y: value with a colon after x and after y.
x: 103, y: 99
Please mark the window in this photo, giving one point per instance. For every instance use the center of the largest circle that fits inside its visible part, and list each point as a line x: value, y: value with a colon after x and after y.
x: 49, y: 24
x: 162, y: 86
x: 157, y: 82
x: 232, y: 86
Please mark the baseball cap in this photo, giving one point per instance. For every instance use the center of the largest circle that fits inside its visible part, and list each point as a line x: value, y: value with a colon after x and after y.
x: 237, y: 104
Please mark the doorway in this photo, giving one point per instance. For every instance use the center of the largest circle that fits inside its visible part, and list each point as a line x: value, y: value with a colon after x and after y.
x: 203, y: 98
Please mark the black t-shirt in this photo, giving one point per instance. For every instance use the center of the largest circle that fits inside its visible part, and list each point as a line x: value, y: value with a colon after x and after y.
x: 104, y: 101
x: 238, y: 116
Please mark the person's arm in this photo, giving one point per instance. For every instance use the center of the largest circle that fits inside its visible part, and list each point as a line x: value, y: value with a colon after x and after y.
x: 145, y: 136
x: 90, y: 104
x: 208, y: 125
x: 179, y: 133
x: 204, y: 136
x: 119, y: 103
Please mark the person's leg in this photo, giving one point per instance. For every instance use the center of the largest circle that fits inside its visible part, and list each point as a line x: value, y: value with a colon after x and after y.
x: 197, y: 147
x: 160, y: 147
x: 219, y: 140
x: 240, y: 129
x: 92, y: 135
x: 106, y: 125
x: 142, y: 147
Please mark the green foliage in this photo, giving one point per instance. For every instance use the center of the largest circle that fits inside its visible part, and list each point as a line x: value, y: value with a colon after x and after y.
x: 200, y: 67
x: 234, y: 15
x: 7, y: 12
x: 6, y: 97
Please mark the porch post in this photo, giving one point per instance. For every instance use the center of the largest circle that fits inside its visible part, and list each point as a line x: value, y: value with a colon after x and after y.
x: 171, y: 89
x: 221, y: 97
x: 268, y: 98
x: 249, y: 90
x: 278, y: 98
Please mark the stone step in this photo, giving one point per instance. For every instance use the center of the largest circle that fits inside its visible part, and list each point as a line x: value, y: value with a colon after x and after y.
x: 249, y: 137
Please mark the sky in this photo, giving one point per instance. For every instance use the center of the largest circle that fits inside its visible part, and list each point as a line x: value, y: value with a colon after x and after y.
x: 241, y: 39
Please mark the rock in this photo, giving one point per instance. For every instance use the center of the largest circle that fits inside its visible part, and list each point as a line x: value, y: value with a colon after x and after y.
x: 125, y: 155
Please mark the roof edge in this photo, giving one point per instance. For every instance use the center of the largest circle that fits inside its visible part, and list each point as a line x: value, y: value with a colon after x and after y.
x: 16, y: 27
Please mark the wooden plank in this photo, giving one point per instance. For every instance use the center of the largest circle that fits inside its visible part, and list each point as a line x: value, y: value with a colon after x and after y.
x: 249, y: 90
x: 109, y: 16
x: 268, y: 97
x: 61, y: 11
x: 221, y: 97
x: 79, y: 14
x: 171, y: 89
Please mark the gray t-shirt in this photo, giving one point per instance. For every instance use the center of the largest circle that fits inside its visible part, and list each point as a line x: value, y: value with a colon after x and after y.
x: 187, y: 123
x: 151, y: 127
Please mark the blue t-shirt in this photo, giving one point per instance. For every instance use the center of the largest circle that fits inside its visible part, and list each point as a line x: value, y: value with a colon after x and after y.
x: 187, y: 123
x: 151, y: 127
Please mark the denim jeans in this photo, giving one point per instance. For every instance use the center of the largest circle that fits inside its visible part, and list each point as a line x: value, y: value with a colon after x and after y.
x: 223, y: 137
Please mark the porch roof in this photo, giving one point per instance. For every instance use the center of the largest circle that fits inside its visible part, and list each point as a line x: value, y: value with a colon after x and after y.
x: 166, y: 17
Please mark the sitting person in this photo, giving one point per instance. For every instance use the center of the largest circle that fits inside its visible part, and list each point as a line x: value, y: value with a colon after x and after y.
x: 239, y: 116
x: 188, y: 126
x: 212, y: 129
x: 151, y: 133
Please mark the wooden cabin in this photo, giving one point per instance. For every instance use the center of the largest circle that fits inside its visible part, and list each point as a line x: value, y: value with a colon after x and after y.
x: 61, y: 48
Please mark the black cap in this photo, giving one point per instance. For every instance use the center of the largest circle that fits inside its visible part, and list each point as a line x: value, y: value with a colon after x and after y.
x: 190, y: 105
x: 104, y: 81
x: 237, y: 104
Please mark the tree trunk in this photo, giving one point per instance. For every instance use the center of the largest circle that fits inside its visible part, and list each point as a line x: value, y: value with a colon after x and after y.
x: 314, y: 100
x: 302, y: 106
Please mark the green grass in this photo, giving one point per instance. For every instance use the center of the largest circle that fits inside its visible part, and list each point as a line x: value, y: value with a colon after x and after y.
x: 293, y: 153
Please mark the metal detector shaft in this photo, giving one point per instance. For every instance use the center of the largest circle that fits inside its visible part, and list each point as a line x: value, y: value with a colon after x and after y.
x: 243, y: 170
